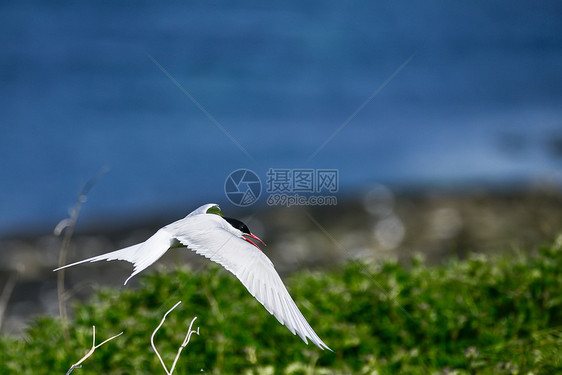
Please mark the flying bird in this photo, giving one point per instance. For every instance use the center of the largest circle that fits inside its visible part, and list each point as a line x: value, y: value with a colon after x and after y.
x: 230, y: 243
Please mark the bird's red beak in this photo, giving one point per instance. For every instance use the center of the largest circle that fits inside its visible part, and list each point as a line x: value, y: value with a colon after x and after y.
x: 254, y: 237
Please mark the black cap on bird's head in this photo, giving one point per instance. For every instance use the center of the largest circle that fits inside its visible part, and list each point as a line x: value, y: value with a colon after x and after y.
x: 244, y: 229
x: 238, y: 225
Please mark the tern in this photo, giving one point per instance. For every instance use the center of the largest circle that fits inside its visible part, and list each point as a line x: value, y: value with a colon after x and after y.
x: 228, y: 242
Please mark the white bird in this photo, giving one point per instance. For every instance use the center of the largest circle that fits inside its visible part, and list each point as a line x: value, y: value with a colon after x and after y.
x: 227, y: 242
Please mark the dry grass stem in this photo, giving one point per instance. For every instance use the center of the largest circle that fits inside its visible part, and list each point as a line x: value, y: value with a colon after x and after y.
x: 182, y: 346
x: 6, y: 294
x: 91, y: 351
x: 67, y: 226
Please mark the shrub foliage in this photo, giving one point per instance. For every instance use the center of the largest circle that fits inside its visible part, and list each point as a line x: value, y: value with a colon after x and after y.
x: 477, y: 316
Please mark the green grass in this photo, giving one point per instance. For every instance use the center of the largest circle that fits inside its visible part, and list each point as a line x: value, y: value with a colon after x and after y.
x: 478, y: 316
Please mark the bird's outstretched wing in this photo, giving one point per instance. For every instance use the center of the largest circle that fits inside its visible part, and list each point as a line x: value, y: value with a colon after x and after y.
x: 208, y: 237
x: 142, y: 255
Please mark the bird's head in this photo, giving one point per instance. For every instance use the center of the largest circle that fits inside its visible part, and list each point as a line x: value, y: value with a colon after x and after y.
x: 244, y: 231
x: 239, y: 228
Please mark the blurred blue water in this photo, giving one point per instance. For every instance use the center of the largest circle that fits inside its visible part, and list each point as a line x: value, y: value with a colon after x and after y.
x: 480, y: 100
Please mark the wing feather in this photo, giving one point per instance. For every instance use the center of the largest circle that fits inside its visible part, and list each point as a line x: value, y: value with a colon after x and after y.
x: 208, y: 236
x: 142, y: 255
x: 203, y: 209
x: 126, y: 253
